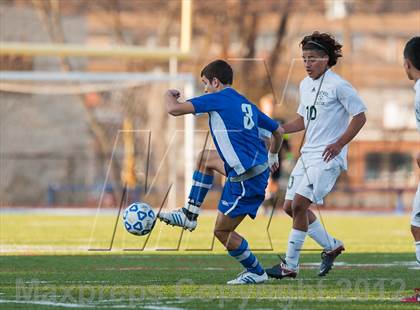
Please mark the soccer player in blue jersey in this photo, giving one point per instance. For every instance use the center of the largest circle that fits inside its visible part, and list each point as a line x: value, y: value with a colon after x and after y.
x: 237, y: 128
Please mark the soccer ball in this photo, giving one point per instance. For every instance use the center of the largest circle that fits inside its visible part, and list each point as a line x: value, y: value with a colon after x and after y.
x: 139, y: 218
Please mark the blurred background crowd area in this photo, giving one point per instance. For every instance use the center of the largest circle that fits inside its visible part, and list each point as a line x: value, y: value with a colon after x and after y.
x: 82, y: 113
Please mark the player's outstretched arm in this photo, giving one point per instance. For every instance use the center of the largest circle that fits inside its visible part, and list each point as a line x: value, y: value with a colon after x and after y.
x: 296, y: 125
x: 174, y: 107
x: 332, y: 150
x: 275, y: 145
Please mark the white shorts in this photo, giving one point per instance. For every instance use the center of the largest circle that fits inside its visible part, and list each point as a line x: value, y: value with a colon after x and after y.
x: 415, y: 215
x: 313, y: 178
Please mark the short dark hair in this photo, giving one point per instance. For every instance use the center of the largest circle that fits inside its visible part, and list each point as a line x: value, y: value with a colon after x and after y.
x: 323, y: 42
x: 412, y: 51
x: 220, y: 70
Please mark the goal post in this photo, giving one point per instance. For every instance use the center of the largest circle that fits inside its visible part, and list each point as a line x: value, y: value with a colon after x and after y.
x: 87, y: 82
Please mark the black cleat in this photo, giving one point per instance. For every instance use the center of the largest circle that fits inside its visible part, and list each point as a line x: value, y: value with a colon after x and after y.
x: 328, y: 258
x: 281, y: 271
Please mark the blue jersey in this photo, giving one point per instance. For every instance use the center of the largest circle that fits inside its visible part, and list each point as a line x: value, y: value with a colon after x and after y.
x: 237, y: 127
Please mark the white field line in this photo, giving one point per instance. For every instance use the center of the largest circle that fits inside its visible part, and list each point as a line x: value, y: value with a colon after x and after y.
x: 385, y: 265
x: 337, y: 298
x: 143, y: 302
x: 12, y: 248
x: 154, y: 307
x: 56, y: 211
x: 165, y: 268
x: 303, y: 266
x: 112, y: 211
x: 46, y: 303
x: 7, y: 248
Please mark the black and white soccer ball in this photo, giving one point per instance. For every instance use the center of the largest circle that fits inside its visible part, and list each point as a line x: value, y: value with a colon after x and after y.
x: 139, y: 218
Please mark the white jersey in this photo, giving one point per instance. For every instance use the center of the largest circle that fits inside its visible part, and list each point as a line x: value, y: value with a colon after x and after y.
x: 417, y: 103
x: 415, y: 216
x: 328, y: 118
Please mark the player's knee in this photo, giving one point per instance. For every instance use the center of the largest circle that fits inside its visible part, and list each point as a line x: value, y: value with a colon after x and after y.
x: 300, y: 205
x: 203, y: 160
x: 297, y: 209
x: 416, y: 232
x: 287, y: 207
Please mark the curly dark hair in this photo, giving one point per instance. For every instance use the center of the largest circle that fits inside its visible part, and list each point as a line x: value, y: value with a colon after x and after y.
x: 323, y: 42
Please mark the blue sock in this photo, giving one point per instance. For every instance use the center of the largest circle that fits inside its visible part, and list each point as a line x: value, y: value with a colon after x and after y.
x: 200, y: 186
x: 244, y: 255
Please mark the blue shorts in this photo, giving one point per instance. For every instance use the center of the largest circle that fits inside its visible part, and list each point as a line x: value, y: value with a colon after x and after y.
x: 243, y: 198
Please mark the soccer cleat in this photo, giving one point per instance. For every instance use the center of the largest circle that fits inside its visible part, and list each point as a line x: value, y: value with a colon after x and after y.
x: 177, y: 218
x: 247, y: 277
x: 281, y: 271
x: 328, y: 258
x: 415, y: 298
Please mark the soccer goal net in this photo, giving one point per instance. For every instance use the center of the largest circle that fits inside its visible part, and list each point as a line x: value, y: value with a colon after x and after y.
x: 77, y: 138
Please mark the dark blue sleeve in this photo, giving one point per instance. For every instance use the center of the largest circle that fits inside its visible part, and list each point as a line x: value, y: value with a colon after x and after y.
x: 266, y: 123
x: 205, y: 103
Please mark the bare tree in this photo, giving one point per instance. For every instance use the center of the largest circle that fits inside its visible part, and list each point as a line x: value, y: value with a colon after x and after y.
x: 49, y: 13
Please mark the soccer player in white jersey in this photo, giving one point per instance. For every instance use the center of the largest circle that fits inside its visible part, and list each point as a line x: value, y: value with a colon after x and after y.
x: 412, y: 68
x: 327, y: 103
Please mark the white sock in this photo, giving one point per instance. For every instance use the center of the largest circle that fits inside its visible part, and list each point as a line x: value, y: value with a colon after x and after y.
x: 418, y: 251
x: 317, y: 232
x: 296, y: 239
